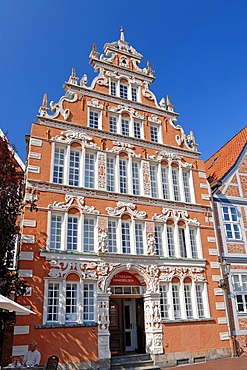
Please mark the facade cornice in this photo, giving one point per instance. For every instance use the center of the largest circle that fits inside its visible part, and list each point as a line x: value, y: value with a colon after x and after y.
x: 231, y: 200
x: 63, y: 125
x: 111, y: 99
x: 42, y: 186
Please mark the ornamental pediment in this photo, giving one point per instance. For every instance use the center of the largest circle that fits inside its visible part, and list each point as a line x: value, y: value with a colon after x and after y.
x: 175, y: 215
x: 73, y: 201
x: 126, y: 208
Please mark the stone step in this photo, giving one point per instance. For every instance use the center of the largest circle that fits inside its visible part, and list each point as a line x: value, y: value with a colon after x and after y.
x: 130, y: 358
x: 133, y: 362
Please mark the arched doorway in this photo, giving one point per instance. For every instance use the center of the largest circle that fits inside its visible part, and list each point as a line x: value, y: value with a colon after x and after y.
x: 126, y: 313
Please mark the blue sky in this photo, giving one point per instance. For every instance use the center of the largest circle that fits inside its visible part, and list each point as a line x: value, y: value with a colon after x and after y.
x: 198, y: 50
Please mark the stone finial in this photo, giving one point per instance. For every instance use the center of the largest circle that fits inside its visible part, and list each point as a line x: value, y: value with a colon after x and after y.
x: 44, y: 101
x: 94, y: 49
x: 83, y: 80
x: 169, y: 104
x: 94, y: 53
x: 43, y: 110
x: 122, y: 34
x: 73, y: 79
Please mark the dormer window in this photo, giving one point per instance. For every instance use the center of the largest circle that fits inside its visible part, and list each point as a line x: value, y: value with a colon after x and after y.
x: 123, y: 91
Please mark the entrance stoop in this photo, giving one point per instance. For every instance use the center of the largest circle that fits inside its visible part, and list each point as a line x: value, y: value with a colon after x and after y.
x: 133, y: 362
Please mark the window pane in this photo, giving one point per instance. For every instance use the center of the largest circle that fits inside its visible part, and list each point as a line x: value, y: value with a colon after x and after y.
x: 164, y: 306
x: 113, y: 88
x: 170, y: 241
x: 182, y: 244
x: 123, y: 175
x: 134, y: 93
x: 158, y: 240
x: 89, y: 170
x: 135, y: 178
x: 153, y: 181
x: 165, y: 184
x: 112, y: 236
x: 123, y: 91
x: 139, y: 238
x: 125, y: 127
x: 88, y: 234
x: 71, y: 302
x: 188, y: 301
x: 175, y: 182
x: 110, y: 174
x: 74, y: 168
x: 58, y: 168
x: 113, y: 124
x: 193, y: 245
x: 56, y: 232
x: 72, y: 234
x: 137, y: 130
x: 154, y: 133
x: 93, y: 119
x: 88, y: 302
x: 176, y: 301
x: 186, y: 186
x: 126, y: 237
x: 53, y: 302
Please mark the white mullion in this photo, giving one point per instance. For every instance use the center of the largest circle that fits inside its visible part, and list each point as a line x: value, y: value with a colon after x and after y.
x: 67, y: 165
x: 199, y: 243
x: 45, y: 301
x: 53, y: 146
x: 96, y: 234
x: 96, y: 171
x: 131, y: 125
x: 165, y: 241
x: 82, y: 232
x: 118, y: 235
x: 117, y: 174
x: 182, y: 300
x: 170, y: 302
x: 79, y: 234
x: 133, y: 237
x: 129, y: 176
x: 118, y: 88
x: 65, y: 233
x: 191, y: 185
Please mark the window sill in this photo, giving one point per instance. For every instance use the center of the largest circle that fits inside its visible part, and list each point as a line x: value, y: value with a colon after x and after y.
x: 164, y: 321
x: 66, y: 325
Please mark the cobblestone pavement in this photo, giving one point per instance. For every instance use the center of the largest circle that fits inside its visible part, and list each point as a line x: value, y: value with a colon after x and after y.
x: 238, y: 363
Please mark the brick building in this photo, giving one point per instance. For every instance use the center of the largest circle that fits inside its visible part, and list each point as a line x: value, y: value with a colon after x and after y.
x: 226, y: 171
x: 121, y: 255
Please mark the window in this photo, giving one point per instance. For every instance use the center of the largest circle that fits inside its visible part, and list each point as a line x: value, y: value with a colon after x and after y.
x: 165, y: 184
x: 199, y: 300
x: 88, y: 302
x: 110, y: 174
x: 186, y: 184
x: 231, y: 222
x: 193, y: 244
x: 158, y: 240
x: 123, y: 91
x: 182, y: 244
x: 170, y: 241
x: 89, y: 170
x: 134, y: 94
x: 112, y: 236
x: 176, y: 301
x: 113, y: 88
x: 135, y: 178
x: 139, y: 238
x: 56, y: 232
x: 53, y: 302
x: 71, y: 302
x: 154, y: 133
x: 72, y: 235
x: 188, y: 301
x: 74, y: 168
x: 137, y: 129
x: 113, y: 124
x: 126, y: 237
x: 93, y: 119
x: 123, y: 175
x: 240, y: 288
x: 164, y: 306
x: 175, y: 182
x: 125, y: 126
x: 58, y: 169
x: 64, y: 299
x: 153, y: 181
x: 88, y: 234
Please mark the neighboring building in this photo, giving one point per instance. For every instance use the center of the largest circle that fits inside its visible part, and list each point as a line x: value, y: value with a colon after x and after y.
x: 227, y: 175
x: 7, y: 319
x: 121, y: 255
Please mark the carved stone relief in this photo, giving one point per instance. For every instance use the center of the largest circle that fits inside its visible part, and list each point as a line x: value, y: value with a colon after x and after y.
x: 126, y: 208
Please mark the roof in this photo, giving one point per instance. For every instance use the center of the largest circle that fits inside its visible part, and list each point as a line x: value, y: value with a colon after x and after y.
x: 225, y: 158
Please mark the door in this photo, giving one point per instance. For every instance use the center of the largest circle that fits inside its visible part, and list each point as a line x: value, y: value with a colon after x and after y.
x: 141, y: 338
x: 116, y: 326
x: 129, y: 307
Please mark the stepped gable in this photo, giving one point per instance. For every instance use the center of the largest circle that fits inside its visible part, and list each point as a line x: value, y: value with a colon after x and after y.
x: 225, y: 158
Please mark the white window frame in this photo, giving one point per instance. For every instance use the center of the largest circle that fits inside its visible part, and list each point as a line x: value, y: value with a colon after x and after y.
x: 113, y: 88
x: 62, y: 166
x: 74, y: 170
x: 176, y: 184
x: 111, y: 119
x: 123, y: 90
x: 231, y: 226
x: 123, y: 175
x: 113, y: 241
x: 136, y: 186
x: 240, y: 291
x: 91, y: 171
x: 110, y: 173
x: 90, y: 221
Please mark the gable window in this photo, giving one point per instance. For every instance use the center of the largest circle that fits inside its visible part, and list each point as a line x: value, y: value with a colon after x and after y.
x: 135, y: 178
x: 231, y: 222
x: 154, y: 133
x: 58, y: 169
x: 89, y: 170
x: 56, y: 232
x: 93, y: 119
x: 113, y: 124
x: 125, y: 127
x: 123, y: 176
x: 110, y: 177
x: 137, y: 129
x: 134, y: 94
x: 113, y: 88
x: 123, y: 91
x: 74, y: 168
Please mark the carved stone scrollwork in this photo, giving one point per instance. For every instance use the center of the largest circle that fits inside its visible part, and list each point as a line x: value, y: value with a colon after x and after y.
x: 94, y: 103
x: 168, y: 272
x: 69, y: 201
x: 123, y: 147
x: 151, y: 244
x: 62, y: 268
x: 154, y: 119
x: 103, y: 241
x: 72, y: 135
x: 57, y: 108
x: 125, y: 108
x: 103, y: 318
x: 176, y: 216
x: 127, y: 208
